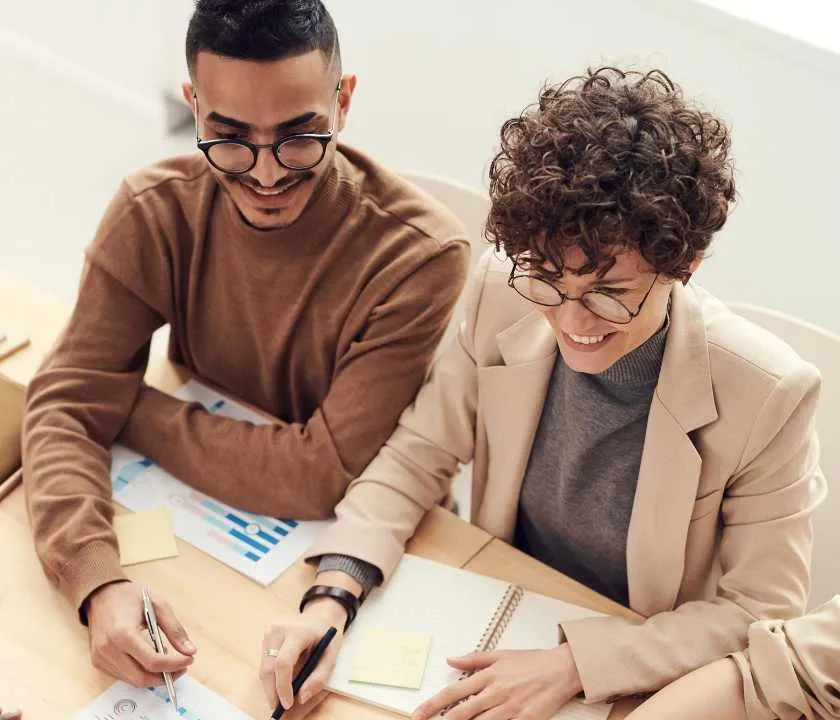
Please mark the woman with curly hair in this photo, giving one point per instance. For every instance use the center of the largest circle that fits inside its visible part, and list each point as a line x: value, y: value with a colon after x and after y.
x: 624, y: 426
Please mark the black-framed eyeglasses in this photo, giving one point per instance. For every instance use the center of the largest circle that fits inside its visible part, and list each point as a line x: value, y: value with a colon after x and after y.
x: 302, y: 151
x: 599, y: 303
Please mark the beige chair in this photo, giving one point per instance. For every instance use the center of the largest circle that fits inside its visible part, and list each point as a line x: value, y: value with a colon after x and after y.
x: 822, y: 349
x: 470, y: 207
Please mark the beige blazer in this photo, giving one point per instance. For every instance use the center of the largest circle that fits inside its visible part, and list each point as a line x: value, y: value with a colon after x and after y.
x: 720, y: 531
x: 792, y: 668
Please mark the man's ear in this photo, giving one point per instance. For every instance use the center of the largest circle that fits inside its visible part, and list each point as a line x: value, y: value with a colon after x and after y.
x: 345, y: 98
x: 188, y: 93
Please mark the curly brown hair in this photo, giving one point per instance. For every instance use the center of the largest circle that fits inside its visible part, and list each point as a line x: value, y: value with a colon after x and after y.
x: 609, y: 161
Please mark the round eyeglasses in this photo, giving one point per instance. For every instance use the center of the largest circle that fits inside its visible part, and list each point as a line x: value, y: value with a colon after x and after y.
x: 599, y: 303
x: 302, y: 151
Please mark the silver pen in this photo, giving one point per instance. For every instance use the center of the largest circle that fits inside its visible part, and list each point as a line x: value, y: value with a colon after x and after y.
x: 157, y: 641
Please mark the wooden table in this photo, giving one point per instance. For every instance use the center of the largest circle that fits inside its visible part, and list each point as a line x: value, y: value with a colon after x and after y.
x: 44, y: 661
x: 39, y: 315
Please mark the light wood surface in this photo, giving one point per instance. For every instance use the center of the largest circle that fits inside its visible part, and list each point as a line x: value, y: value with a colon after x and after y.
x: 44, y: 662
x: 34, y: 313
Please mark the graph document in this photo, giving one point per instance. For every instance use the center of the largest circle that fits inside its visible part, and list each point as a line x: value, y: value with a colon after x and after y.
x: 258, y: 546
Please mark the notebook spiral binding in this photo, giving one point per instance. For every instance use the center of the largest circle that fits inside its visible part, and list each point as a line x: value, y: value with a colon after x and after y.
x: 500, y: 620
x: 495, y: 628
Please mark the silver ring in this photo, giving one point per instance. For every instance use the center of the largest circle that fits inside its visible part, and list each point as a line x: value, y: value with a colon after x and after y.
x: 272, y: 652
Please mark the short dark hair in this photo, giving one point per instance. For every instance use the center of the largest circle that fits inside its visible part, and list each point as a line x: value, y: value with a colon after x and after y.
x: 261, y: 30
x: 610, y: 160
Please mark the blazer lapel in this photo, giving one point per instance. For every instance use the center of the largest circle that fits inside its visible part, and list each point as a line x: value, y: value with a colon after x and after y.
x: 670, y: 467
x: 511, y: 398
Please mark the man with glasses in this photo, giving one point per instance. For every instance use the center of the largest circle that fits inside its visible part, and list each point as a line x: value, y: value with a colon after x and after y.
x: 624, y: 426
x: 296, y: 274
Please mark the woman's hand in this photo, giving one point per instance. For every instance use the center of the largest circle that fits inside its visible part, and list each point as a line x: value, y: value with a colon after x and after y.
x: 286, y: 646
x: 531, y: 684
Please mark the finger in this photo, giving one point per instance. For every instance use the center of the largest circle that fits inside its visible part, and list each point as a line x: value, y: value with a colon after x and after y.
x: 124, y: 667
x: 473, y: 661
x: 317, y: 681
x: 272, y: 640
x: 474, y: 706
x: 295, y: 644
x: 498, y: 712
x: 301, y: 710
x: 175, y: 632
x: 267, y: 682
x: 137, y: 646
x: 451, y: 694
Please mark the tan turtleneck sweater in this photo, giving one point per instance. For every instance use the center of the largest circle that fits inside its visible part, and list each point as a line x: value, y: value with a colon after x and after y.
x: 327, y: 325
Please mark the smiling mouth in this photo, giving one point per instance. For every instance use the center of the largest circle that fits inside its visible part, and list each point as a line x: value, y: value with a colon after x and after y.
x: 272, y: 192
x: 587, y: 339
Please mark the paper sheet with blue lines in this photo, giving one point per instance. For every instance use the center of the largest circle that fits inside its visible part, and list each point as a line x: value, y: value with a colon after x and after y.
x: 258, y: 546
x: 196, y: 701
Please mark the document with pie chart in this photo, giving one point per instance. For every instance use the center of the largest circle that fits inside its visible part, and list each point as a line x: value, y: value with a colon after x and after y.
x: 196, y: 702
x: 258, y: 546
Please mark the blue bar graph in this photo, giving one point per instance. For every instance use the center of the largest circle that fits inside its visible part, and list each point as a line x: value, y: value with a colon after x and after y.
x: 244, y: 524
x: 242, y: 537
x: 129, y: 472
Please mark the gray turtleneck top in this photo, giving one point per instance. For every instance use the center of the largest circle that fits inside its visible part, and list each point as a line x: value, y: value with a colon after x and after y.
x: 577, y: 495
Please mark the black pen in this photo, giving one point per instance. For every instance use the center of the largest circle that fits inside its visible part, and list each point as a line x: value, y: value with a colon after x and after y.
x: 306, y: 670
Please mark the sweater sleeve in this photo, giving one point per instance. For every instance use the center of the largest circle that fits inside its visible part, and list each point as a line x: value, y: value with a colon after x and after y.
x: 76, y: 406
x: 80, y: 399
x: 363, y: 573
x: 302, y: 470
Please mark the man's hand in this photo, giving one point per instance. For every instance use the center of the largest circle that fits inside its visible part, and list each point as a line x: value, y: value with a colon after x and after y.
x: 290, y: 643
x: 119, y: 640
x: 531, y: 684
x: 10, y: 715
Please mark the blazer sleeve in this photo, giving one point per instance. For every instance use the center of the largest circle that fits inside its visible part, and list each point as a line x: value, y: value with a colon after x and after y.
x: 413, y: 471
x: 765, y: 552
x: 792, y: 668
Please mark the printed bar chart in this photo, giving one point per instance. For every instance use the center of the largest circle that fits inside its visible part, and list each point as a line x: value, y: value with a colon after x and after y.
x: 258, y: 546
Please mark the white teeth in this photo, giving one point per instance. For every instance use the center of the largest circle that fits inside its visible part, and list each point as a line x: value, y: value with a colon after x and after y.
x: 587, y: 339
x: 270, y: 193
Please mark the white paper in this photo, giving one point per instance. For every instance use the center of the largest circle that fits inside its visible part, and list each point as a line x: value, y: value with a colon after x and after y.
x: 454, y: 607
x: 258, y: 546
x: 196, y: 702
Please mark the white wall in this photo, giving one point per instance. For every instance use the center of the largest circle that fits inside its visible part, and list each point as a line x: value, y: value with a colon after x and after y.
x: 437, y: 78
x: 109, y: 47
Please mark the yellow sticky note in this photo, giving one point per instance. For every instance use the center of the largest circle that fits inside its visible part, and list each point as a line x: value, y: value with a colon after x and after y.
x: 145, y: 536
x: 388, y: 657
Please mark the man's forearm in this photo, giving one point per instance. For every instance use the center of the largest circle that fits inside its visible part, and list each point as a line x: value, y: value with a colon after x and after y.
x: 259, y: 468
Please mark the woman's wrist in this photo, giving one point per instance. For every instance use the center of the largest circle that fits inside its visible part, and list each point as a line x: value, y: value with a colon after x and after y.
x: 339, y: 579
x: 327, y: 611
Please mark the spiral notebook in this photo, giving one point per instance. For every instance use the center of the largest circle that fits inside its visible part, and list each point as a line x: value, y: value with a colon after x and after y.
x: 460, y: 612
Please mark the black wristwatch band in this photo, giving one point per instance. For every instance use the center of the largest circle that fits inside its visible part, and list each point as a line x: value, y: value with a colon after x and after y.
x: 350, y: 602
